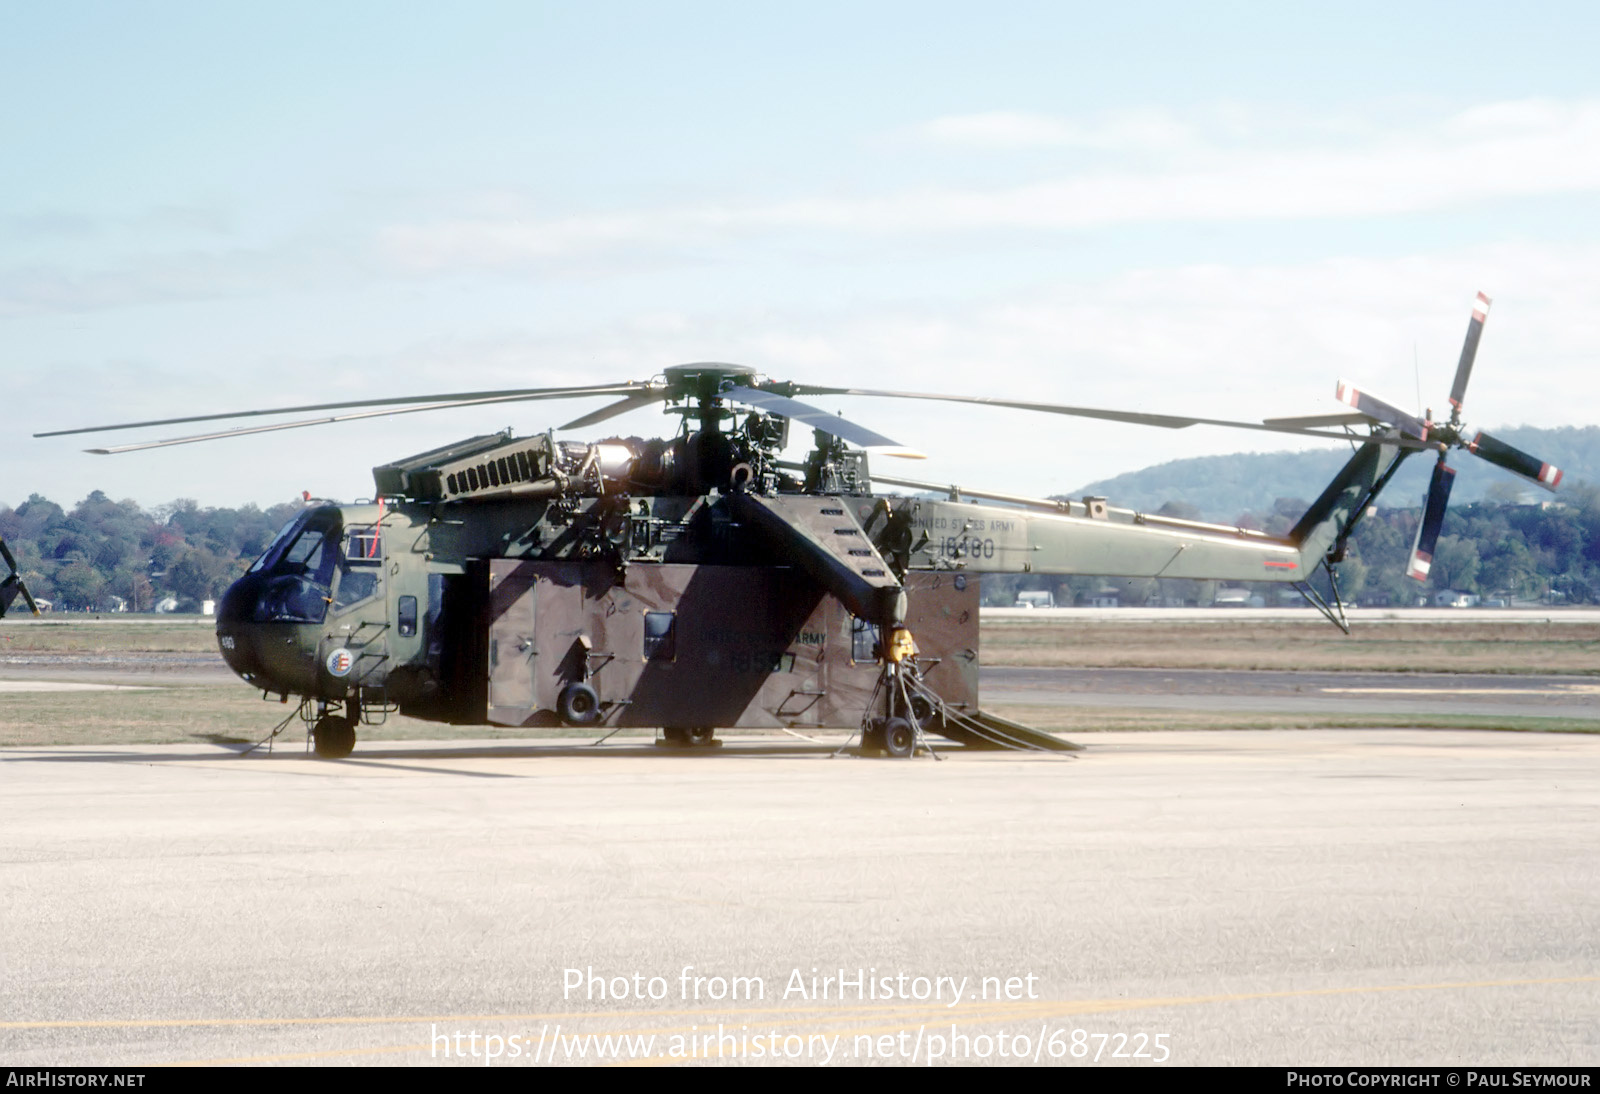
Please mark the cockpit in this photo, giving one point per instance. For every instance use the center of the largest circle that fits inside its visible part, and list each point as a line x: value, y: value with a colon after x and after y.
x: 316, y: 567
x: 314, y: 563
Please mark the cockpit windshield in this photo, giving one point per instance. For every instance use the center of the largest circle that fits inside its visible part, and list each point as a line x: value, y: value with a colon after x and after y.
x: 300, y: 565
x: 275, y: 548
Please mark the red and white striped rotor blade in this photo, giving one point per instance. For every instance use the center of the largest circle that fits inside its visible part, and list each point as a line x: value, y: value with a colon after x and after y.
x: 1388, y: 413
x: 1469, y: 350
x: 1421, y: 563
x: 1518, y: 462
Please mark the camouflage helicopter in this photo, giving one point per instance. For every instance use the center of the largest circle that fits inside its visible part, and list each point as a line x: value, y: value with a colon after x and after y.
x: 701, y: 582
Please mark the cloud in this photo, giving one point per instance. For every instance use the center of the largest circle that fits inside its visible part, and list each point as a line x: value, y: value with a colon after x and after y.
x: 1223, y: 166
x: 1494, y: 151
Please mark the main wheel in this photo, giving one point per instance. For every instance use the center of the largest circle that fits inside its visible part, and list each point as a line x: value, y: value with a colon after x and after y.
x: 334, y: 738
x: 899, y: 738
x: 578, y: 704
x: 676, y: 736
x: 701, y: 736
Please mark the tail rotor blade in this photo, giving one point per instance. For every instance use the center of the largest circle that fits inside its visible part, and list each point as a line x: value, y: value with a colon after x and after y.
x: 1444, y: 477
x: 1469, y: 351
x: 1374, y: 407
x: 1516, y: 461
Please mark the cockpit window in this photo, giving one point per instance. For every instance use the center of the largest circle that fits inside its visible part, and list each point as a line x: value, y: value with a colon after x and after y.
x: 362, y: 542
x: 361, y: 568
x: 285, y: 533
x: 300, y: 577
x: 357, y: 581
x: 307, y: 550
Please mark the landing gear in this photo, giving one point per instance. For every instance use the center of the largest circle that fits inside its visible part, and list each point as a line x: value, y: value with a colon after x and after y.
x: 899, y: 738
x: 334, y: 736
x: 578, y: 704
x: 908, y: 707
x: 702, y: 737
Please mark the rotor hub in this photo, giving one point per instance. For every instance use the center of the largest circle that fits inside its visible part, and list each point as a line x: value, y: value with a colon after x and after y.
x: 705, y: 379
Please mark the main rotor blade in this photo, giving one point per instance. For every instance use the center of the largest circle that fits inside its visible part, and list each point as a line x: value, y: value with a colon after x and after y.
x: 1164, y: 421
x: 1374, y: 407
x: 817, y: 418
x: 1313, y: 421
x: 621, y: 406
x: 469, y: 397
x: 302, y: 423
x: 1444, y: 477
x: 1469, y: 350
x: 1516, y: 461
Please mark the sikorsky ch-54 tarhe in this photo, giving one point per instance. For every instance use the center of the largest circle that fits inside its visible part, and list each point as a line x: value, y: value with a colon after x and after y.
x: 701, y: 582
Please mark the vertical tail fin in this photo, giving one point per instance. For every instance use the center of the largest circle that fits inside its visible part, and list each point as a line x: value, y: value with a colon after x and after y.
x: 1321, y: 533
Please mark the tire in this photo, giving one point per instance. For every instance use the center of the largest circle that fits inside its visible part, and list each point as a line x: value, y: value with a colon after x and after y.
x: 578, y: 704
x: 333, y: 738
x: 702, y: 736
x: 675, y: 737
x: 899, y: 738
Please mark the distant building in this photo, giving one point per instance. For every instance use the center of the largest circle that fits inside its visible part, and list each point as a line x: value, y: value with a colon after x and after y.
x: 1035, y: 598
x: 1230, y: 597
x: 1106, y: 597
x: 1450, y: 598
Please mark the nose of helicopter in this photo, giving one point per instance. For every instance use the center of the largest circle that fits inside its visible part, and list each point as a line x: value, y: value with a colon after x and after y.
x: 237, y: 634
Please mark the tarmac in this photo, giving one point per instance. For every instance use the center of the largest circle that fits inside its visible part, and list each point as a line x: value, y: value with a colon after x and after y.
x: 1385, y: 897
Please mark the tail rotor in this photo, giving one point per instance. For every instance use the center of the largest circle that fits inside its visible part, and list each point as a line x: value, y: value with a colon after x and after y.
x: 1447, y: 435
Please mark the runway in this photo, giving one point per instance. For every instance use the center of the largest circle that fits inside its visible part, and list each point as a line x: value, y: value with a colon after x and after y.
x: 1373, y: 693
x: 1313, y: 897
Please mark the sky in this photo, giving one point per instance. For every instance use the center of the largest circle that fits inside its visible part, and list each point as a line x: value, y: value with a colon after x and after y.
x: 1214, y: 210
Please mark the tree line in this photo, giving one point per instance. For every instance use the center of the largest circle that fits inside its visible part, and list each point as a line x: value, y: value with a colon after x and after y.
x: 103, y: 555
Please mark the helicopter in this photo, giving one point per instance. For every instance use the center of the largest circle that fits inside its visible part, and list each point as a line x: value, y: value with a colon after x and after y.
x: 702, y: 582
x: 11, y: 585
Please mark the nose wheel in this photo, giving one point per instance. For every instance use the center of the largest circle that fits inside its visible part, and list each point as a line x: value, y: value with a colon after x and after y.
x: 333, y: 736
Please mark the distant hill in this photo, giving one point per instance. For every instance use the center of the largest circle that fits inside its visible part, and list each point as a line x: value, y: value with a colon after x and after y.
x: 1222, y: 487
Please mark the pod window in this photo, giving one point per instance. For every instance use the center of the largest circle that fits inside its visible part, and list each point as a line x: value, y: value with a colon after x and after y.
x: 864, y: 639
x: 660, y: 636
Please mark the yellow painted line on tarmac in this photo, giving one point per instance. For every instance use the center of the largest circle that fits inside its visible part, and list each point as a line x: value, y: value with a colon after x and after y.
x: 866, y: 1009
x: 837, y: 1014
x: 390, y: 1020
